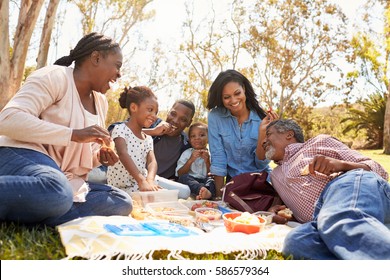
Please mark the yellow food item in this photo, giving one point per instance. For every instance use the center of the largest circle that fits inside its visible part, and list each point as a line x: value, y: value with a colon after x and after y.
x: 111, y: 146
x: 247, y: 219
x: 286, y: 213
x: 139, y: 213
x: 164, y: 209
x: 305, y: 171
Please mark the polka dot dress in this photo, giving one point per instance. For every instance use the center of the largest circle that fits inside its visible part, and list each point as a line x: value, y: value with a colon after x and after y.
x: 138, y: 149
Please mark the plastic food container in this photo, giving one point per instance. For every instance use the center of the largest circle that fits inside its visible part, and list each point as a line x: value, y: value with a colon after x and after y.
x: 233, y: 225
x: 265, y: 215
x: 166, y: 208
x: 193, y: 204
x: 144, y: 198
x: 207, y: 214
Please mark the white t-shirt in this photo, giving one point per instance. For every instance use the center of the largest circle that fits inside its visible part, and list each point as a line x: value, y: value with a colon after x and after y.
x: 138, y: 150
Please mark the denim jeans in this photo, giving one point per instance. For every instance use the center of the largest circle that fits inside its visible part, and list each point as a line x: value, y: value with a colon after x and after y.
x: 196, y: 184
x: 349, y: 221
x: 34, y: 190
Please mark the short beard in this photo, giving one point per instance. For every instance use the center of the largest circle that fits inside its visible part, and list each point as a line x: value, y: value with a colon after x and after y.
x: 269, y: 154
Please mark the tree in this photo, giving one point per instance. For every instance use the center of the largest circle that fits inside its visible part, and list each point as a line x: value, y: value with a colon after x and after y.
x: 47, y: 29
x: 12, y: 59
x: 289, y: 50
x: 121, y: 18
x: 124, y: 15
x: 296, y: 46
x: 369, y: 118
x: 372, y: 56
x: 209, y: 54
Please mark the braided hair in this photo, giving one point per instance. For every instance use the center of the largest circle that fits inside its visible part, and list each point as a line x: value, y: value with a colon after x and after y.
x: 89, y: 43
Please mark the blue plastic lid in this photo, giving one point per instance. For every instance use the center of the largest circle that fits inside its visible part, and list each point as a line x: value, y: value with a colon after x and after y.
x: 168, y: 229
x: 129, y: 230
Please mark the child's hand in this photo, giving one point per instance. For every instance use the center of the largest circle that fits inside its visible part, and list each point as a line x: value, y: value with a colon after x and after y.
x: 148, y: 186
x: 195, y: 154
x: 164, y: 128
x: 205, y: 155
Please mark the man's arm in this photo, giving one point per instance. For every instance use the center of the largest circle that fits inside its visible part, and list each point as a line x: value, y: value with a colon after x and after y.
x: 327, y: 165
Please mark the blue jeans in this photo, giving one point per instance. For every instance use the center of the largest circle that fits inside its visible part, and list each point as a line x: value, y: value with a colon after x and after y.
x: 184, y: 190
x: 34, y: 190
x: 196, y: 184
x: 348, y: 222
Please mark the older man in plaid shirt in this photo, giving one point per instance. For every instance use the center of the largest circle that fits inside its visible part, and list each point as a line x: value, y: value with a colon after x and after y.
x: 343, y: 198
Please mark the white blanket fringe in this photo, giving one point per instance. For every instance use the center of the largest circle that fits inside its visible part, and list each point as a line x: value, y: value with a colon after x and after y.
x: 87, y: 238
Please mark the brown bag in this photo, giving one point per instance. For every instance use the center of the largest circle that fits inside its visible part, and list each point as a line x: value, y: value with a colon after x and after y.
x: 250, y: 192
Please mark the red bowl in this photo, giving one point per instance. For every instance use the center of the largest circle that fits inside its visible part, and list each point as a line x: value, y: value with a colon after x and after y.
x: 233, y: 226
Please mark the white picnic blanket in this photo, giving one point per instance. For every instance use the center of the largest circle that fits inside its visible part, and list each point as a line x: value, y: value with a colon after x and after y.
x: 87, y: 238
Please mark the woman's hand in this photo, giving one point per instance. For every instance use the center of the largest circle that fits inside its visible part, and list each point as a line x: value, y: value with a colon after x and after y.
x: 92, y: 133
x: 271, y: 116
x: 107, y: 156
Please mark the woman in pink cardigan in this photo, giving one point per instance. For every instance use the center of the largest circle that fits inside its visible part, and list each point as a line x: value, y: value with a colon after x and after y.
x: 51, y: 136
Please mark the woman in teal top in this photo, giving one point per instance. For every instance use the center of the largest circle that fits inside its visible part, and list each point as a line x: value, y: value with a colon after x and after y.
x: 234, y: 121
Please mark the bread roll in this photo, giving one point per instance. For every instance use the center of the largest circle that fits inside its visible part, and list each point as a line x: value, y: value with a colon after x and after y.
x: 286, y: 213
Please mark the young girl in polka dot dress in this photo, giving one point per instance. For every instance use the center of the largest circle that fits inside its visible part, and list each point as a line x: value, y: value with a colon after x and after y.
x: 137, y: 167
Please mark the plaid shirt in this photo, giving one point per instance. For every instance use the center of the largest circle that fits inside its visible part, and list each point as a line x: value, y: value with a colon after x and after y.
x: 300, y: 193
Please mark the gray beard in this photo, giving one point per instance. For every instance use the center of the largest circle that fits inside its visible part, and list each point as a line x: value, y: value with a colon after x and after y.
x: 269, y: 154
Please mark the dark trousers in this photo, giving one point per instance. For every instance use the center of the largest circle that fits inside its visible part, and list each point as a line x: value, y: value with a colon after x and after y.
x: 195, y: 184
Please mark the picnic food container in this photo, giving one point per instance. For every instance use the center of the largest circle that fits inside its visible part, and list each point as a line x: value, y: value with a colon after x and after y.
x: 265, y: 215
x: 166, y: 208
x: 143, y: 198
x: 207, y: 214
x: 193, y: 204
x: 243, y: 222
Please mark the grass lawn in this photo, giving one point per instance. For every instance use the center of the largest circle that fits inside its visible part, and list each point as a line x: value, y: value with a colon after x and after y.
x: 19, y: 242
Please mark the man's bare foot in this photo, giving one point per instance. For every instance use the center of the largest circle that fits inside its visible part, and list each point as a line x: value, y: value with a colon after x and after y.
x: 204, y: 193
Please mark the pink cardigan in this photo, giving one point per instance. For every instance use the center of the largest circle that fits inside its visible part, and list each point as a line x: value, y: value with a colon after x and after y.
x: 41, y: 117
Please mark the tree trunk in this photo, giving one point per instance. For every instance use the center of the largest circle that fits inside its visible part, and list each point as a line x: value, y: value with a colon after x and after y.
x: 4, y: 53
x: 46, y: 33
x: 386, y: 126
x: 28, y: 15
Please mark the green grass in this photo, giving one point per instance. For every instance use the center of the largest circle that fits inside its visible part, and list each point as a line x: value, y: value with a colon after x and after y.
x: 18, y: 242
x: 379, y: 157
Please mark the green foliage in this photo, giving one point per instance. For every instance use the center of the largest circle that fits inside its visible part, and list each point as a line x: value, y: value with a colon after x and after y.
x: 369, y: 118
x: 115, y: 112
x: 366, y: 49
x: 326, y: 120
x: 27, y: 71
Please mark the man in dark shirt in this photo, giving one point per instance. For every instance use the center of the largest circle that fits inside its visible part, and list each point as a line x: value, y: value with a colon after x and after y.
x: 169, y: 137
